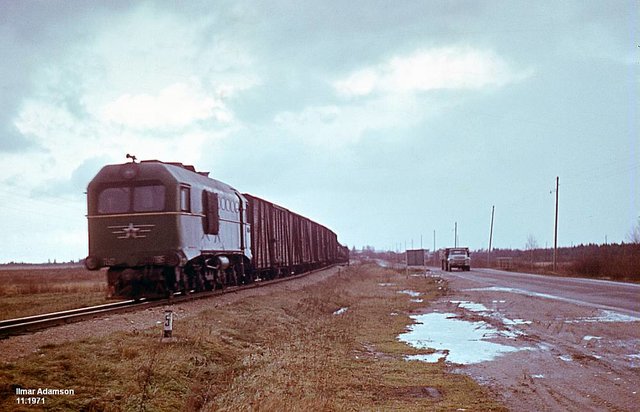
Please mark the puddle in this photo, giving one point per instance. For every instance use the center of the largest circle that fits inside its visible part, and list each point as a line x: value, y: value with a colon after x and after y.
x: 455, y: 340
x: 340, y: 311
x: 482, y: 309
x: 521, y: 292
x: 417, y: 300
x: 508, y: 321
x: 472, y: 306
x: 386, y: 284
x: 410, y: 293
x: 566, y: 358
x: 616, y: 315
x: 589, y: 337
x: 606, y: 316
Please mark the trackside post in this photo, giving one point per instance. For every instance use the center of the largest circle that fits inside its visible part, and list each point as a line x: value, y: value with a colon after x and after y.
x: 168, y: 325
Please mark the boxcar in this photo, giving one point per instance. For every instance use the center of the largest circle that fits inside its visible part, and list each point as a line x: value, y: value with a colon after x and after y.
x: 283, y: 242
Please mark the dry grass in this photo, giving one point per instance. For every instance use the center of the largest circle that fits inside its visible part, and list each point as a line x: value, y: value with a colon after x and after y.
x: 25, y: 292
x: 284, y: 351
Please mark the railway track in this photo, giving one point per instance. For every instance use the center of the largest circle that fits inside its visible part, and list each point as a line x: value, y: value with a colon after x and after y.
x: 27, y: 324
x: 18, y: 326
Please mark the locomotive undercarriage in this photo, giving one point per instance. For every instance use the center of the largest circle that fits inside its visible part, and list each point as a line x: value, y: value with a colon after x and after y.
x: 204, y: 273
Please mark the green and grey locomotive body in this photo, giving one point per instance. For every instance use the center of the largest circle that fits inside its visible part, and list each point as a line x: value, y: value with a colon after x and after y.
x: 163, y: 227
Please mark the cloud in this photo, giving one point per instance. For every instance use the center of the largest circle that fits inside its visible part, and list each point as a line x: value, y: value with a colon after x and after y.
x: 330, y: 126
x: 146, y: 81
x: 12, y: 140
x: 453, y: 67
x: 389, y: 97
x: 74, y: 185
x: 177, y: 105
x: 395, y: 94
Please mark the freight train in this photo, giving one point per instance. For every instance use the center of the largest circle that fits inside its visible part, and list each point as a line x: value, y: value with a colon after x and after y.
x: 163, y: 227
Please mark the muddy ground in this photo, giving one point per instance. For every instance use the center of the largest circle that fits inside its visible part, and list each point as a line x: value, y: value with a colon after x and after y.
x: 570, y: 357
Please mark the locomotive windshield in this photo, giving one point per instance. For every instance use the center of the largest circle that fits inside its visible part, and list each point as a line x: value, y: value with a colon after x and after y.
x: 131, y: 199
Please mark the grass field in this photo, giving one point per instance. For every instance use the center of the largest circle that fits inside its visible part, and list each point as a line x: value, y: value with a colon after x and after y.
x: 287, y: 351
x: 35, y: 290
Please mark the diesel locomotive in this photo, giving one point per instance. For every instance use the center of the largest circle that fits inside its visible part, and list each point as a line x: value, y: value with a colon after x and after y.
x: 161, y: 227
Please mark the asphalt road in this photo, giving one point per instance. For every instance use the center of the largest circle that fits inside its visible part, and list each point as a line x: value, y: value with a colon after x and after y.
x: 619, y: 296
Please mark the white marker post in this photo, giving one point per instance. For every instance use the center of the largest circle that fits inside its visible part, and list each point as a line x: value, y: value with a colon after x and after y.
x: 168, y: 326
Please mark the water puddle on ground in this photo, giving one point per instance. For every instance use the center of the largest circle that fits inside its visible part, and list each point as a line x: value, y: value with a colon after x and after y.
x: 340, y: 311
x: 472, y: 306
x: 566, y: 358
x: 455, y: 340
x: 606, y: 316
x: 482, y: 310
x: 410, y: 293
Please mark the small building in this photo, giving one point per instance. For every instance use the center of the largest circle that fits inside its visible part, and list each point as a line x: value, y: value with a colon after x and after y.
x: 417, y: 257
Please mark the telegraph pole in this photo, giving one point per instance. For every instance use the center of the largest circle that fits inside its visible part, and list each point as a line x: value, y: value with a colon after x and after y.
x: 455, y: 235
x: 493, y: 208
x: 434, y: 246
x: 555, y: 238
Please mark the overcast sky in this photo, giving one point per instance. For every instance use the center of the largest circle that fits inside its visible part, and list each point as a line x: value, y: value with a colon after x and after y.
x: 383, y: 120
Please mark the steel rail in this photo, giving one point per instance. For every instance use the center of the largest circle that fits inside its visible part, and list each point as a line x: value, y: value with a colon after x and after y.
x: 77, y: 311
x: 11, y: 327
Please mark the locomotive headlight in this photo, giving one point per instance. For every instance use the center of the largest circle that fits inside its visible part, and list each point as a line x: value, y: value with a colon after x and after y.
x: 129, y: 171
x: 175, y: 259
x: 92, y: 263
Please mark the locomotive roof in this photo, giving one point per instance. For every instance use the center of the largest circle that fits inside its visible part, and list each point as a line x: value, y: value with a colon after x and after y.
x: 156, y: 169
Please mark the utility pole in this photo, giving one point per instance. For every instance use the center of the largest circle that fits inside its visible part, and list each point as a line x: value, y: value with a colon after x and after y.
x: 434, y: 247
x: 455, y: 235
x: 555, y: 237
x: 493, y: 208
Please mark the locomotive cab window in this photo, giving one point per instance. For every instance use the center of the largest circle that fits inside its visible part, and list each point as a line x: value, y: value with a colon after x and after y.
x: 211, y: 220
x: 128, y: 199
x: 148, y: 198
x: 185, y: 199
x: 114, y: 200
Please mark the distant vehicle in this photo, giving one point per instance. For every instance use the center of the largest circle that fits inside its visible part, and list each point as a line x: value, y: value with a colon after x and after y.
x: 417, y: 257
x: 455, y: 257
